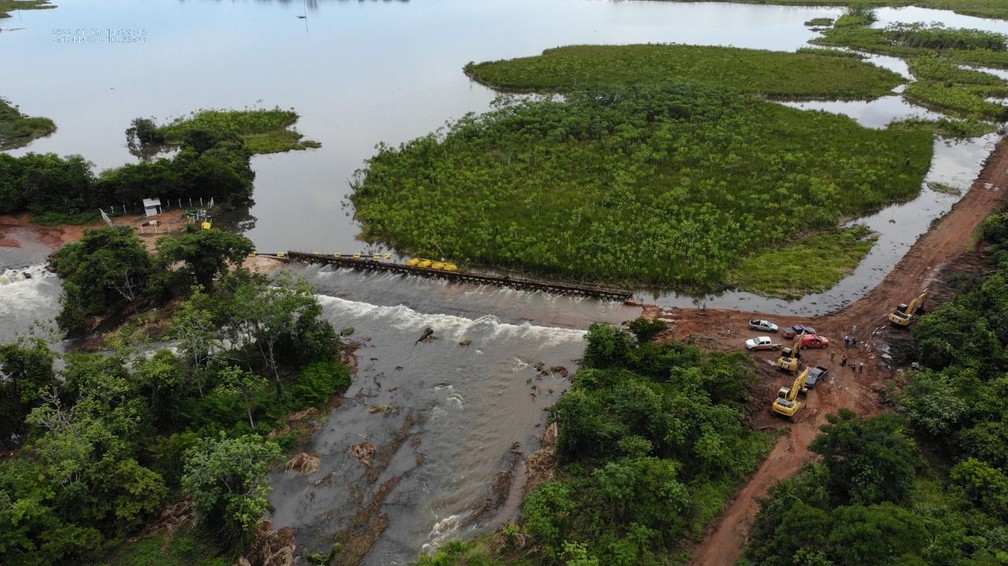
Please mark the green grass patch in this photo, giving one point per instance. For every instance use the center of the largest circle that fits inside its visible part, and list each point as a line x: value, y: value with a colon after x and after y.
x: 61, y: 218
x: 8, y: 6
x: 935, y: 55
x: 668, y: 186
x: 264, y: 130
x: 964, y: 46
x: 185, y: 548
x: 767, y: 73
x: 18, y: 130
x: 798, y: 268
x: 996, y: 9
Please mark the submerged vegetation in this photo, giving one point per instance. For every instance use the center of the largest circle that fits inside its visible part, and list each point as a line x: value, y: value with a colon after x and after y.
x: 667, y: 185
x: 807, y: 74
x: 18, y: 130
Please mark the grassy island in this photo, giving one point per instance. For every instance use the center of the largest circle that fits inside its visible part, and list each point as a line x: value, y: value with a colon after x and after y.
x: 996, y: 9
x: 939, y: 58
x: 670, y: 185
x: 813, y: 74
x: 262, y: 130
x: 18, y: 130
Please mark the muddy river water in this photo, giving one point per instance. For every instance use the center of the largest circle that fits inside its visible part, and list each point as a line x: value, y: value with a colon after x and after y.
x: 446, y: 417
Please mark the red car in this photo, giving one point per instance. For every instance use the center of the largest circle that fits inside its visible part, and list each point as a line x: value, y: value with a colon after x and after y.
x: 814, y: 341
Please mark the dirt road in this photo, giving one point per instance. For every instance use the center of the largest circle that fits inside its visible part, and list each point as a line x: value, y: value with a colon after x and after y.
x: 846, y: 387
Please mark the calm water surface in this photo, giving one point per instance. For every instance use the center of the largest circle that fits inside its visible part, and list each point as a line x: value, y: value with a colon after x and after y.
x: 361, y: 73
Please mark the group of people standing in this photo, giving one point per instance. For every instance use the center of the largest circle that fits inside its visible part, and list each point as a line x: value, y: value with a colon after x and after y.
x: 849, y: 342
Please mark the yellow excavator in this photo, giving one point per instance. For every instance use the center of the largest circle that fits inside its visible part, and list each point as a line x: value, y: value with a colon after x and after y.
x: 787, y: 403
x: 788, y: 359
x: 904, y: 313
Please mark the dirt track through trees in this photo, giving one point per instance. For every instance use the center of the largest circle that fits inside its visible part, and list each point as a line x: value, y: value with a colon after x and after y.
x: 865, y: 319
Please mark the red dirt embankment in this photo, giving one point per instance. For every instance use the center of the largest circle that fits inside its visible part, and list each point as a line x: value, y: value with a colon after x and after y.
x: 39, y: 239
x: 855, y: 390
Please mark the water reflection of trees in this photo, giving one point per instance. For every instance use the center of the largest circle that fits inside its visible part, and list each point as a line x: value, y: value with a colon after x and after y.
x: 238, y: 220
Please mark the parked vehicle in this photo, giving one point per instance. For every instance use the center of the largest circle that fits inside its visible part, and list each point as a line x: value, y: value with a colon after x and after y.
x: 814, y: 341
x: 816, y: 375
x: 761, y: 343
x: 796, y: 330
x: 764, y: 325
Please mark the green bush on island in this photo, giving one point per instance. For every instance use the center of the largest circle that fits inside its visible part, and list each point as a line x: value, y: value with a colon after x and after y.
x: 218, y: 167
x: 807, y: 74
x: 669, y: 186
x: 262, y: 130
x: 212, y: 161
x: 17, y: 130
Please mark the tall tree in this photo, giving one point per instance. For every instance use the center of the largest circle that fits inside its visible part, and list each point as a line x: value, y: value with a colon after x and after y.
x: 205, y: 254
x: 104, y: 269
x: 870, y: 461
x: 227, y: 478
x: 25, y: 373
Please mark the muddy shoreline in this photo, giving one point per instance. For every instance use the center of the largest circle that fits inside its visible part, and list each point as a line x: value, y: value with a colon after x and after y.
x: 24, y: 243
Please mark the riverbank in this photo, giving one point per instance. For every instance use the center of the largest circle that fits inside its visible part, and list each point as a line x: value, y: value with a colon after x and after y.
x: 32, y: 243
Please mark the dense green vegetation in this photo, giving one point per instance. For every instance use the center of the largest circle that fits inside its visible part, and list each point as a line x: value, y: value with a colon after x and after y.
x: 18, y: 130
x: 808, y: 74
x: 208, y: 165
x: 107, y: 439
x: 651, y: 445
x: 798, y: 267
x: 983, y: 8
x: 214, y: 149
x: 935, y: 55
x: 110, y: 269
x: 263, y: 130
x: 8, y: 6
x: 874, y: 499
x: 668, y: 185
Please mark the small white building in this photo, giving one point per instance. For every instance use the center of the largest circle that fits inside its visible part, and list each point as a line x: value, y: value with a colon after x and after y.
x: 152, y: 206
